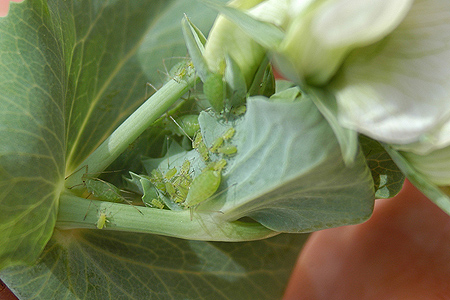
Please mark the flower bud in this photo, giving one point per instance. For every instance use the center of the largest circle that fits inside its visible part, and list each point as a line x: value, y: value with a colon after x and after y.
x: 226, y: 38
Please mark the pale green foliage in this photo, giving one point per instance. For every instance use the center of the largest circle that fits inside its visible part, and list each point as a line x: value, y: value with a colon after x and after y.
x: 71, y: 74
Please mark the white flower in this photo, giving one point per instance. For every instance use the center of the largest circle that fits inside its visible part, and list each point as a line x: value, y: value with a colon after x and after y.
x: 387, y: 62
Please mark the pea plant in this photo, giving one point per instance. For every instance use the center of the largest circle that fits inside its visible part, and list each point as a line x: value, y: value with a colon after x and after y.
x: 132, y: 168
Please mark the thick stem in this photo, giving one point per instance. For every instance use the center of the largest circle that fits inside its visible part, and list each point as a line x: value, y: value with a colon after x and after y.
x: 133, y: 126
x: 76, y: 212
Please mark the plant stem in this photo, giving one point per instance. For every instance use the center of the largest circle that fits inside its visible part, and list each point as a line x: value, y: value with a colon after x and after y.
x: 134, y: 126
x: 123, y: 217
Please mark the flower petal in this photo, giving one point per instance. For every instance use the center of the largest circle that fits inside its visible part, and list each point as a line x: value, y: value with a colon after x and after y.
x: 358, y: 22
x: 398, y: 89
x: 322, y: 33
x: 435, y: 165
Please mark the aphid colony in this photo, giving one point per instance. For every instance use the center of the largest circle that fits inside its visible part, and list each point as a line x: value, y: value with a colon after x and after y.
x: 188, y: 192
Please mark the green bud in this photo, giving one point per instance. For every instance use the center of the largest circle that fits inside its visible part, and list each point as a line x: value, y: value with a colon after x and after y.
x: 226, y: 38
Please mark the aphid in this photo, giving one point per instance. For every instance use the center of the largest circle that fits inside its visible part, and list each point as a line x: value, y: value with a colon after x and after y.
x: 227, y: 150
x: 102, y: 220
x: 105, y: 191
x: 219, y: 141
x: 229, y: 133
x: 185, y: 167
x: 170, y: 189
x: 217, y: 165
x: 102, y: 190
x: 157, y: 203
x: 204, y: 185
x: 202, y: 188
x: 187, y: 125
x: 170, y: 173
x: 157, y: 179
x: 200, y: 146
x: 181, y: 194
x: 156, y: 175
x: 214, y: 90
x: 240, y: 110
x: 178, y: 72
x: 216, y: 144
x: 182, y: 179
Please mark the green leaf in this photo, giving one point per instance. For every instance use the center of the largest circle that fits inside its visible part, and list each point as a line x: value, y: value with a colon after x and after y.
x: 289, y: 174
x: 236, y: 85
x: 33, y: 86
x: 326, y: 103
x: 387, y: 177
x: 195, y: 42
x: 95, y: 264
x: 121, y: 37
x: 73, y: 71
x: 70, y: 74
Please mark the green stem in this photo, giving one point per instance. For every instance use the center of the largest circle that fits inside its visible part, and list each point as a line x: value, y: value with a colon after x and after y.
x: 123, y: 217
x: 133, y: 126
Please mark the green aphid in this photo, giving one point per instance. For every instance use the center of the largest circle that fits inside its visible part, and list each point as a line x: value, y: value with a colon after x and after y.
x: 156, y: 176
x: 229, y: 133
x: 105, y: 191
x: 202, y: 188
x: 189, y: 124
x: 205, y: 184
x: 214, y: 90
x: 185, y: 167
x: 102, y: 190
x: 157, y: 179
x: 200, y: 146
x: 170, y: 189
x: 203, y: 150
x: 216, y: 144
x: 102, y: 220
x: 181, y: 194
x: 198, y: 138
x: 170, y: 173
x: 157, y: 203
x: 180, y: 71
x: 216, y: 165
x: 182, y: 181
x: 179, y: 198
x: 238, y: 111
x: 219, y: 141
x: 227, y: 150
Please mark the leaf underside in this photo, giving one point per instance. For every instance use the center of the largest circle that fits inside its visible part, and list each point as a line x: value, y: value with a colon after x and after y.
x: 71, y: 72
